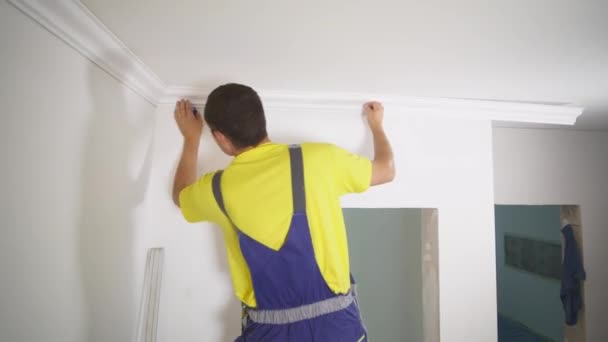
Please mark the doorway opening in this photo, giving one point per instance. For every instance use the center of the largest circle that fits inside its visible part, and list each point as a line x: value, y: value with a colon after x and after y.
x: 530, y: 241
x: 394, y: 260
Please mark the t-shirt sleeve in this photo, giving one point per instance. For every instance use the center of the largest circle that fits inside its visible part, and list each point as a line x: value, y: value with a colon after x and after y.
x: 196, y: 201
x: 352, y: 172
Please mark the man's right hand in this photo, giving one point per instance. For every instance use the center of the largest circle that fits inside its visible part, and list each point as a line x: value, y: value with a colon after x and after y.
x: 190, y: 124
x: 374, y: 111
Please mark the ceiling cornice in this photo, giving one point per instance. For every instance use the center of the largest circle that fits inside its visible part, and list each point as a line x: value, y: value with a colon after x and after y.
x: 336, y: 102
x: 74, y: 23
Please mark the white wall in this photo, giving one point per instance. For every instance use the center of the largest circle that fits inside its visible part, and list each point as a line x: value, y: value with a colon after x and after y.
x: 84, y: 194
x: 562, y: 167
x: 442, y: 163
x: 73, y: 145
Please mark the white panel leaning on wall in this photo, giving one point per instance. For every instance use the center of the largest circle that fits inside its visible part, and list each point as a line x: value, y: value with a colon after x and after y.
x: 150, y: 297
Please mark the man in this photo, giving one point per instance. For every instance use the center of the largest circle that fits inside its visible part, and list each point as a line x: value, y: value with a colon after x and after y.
x: 279, y: 209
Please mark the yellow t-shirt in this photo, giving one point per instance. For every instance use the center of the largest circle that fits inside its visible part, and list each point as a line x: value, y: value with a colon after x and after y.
x: 256, y: 188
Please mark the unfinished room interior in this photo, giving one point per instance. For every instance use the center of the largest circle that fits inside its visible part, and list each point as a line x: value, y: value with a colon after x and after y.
x: 416, y: 171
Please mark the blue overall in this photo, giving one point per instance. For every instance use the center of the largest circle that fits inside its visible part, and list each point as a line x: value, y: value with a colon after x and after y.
x: 290, y: 278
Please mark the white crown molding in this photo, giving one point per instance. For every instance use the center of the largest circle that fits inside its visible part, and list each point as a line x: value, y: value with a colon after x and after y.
x: 335, y: 103
x: 72, y: 22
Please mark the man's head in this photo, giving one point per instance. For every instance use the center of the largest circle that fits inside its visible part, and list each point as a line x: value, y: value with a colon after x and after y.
x: 235, y: 114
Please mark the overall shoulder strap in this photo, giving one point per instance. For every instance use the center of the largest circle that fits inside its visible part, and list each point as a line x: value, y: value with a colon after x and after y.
x: 297, y: 179
x: 216, y: 185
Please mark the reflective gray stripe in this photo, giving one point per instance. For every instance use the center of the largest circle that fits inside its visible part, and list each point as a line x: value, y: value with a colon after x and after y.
x: 297, y: 179
x: 301, y: 313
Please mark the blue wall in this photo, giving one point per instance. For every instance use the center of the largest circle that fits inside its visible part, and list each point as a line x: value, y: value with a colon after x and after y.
x: 527, y: 298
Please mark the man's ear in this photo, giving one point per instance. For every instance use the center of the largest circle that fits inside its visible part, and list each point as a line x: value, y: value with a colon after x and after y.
x: 216, y: 134
x: 220, y: 137
x: 224, y: 143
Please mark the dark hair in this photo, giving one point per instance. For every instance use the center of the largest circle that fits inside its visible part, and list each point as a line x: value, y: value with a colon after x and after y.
x: 236, y: 111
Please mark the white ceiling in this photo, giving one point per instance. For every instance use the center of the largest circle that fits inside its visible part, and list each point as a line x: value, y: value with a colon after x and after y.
x: 548, y: 51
